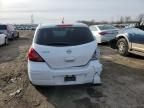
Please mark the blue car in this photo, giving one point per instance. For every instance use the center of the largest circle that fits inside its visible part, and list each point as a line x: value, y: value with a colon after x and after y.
x: 129, y: 40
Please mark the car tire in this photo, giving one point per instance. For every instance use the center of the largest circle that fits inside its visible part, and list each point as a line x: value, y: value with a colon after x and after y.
x: 6, y: 41
x: 12, y: 37
x: 36, y: 86
x: 122, y: 47
x: 18, y: 35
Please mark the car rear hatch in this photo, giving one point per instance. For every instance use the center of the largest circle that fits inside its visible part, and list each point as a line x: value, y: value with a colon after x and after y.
x: 65, y: 47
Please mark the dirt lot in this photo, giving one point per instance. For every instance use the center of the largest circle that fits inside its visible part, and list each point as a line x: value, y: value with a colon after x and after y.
x: 123, y: 82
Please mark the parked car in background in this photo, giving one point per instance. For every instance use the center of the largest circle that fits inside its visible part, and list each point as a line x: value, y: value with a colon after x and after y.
x: 129, y: 40
x: 3, y: 39
x: 140, y: 25
x: 25, y: 26
x: 64, y: 55
x: 9, y: 31
x: 104, y: 33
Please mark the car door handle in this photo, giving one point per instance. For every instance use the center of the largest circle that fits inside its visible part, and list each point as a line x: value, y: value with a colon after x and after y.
x: 69, y: 59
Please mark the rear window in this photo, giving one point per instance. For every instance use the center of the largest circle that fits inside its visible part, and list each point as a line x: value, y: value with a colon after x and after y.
x: 92, y: 28
x: 106, y: 27
x: 3, y: 27
x: 69, y: 36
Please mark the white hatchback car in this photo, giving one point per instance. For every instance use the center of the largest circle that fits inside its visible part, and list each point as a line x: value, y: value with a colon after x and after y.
x: 64, y: 55
x: 3, y: 39
x: 104, y: 33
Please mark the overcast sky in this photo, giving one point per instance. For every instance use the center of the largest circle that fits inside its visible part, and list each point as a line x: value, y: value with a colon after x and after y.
x: 19, y: 11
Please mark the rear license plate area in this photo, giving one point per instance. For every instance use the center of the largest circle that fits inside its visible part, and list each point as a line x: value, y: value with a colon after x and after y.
x: 70, y: 78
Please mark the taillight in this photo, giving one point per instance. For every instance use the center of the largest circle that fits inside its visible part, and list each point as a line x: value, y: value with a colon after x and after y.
x: 96, y: 54
x: 34, y: 56
x: 103, y: 33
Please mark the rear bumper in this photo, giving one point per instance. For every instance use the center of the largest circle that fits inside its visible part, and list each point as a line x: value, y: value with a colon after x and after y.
x: 107, y: 38
x: 101, y: 39
x: 41, y: 74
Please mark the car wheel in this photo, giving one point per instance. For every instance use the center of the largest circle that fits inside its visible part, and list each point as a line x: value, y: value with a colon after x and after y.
x: 18, y: 35
x: 122, y: 46
x: 6, y: 41
x: 12, y: 37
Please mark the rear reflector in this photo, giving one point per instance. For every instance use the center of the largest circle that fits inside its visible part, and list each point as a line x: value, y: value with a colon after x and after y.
x: 34, y: 56
x: 64, y: 25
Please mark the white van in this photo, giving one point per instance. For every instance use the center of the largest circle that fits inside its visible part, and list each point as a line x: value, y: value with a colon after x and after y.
x: 9, y: 31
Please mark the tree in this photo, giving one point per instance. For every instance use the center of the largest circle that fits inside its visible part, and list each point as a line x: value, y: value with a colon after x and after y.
x: 121, y: 20
x: 127, y: 19
x: 141, y: 17
x: 140, y: 20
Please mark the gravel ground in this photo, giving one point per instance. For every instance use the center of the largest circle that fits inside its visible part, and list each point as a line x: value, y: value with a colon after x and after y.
x: 122, y: 78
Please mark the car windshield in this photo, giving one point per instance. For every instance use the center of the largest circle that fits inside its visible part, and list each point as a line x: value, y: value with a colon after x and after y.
x: 106, y: 27
x: 3, y: 27
x: 64, y: 36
